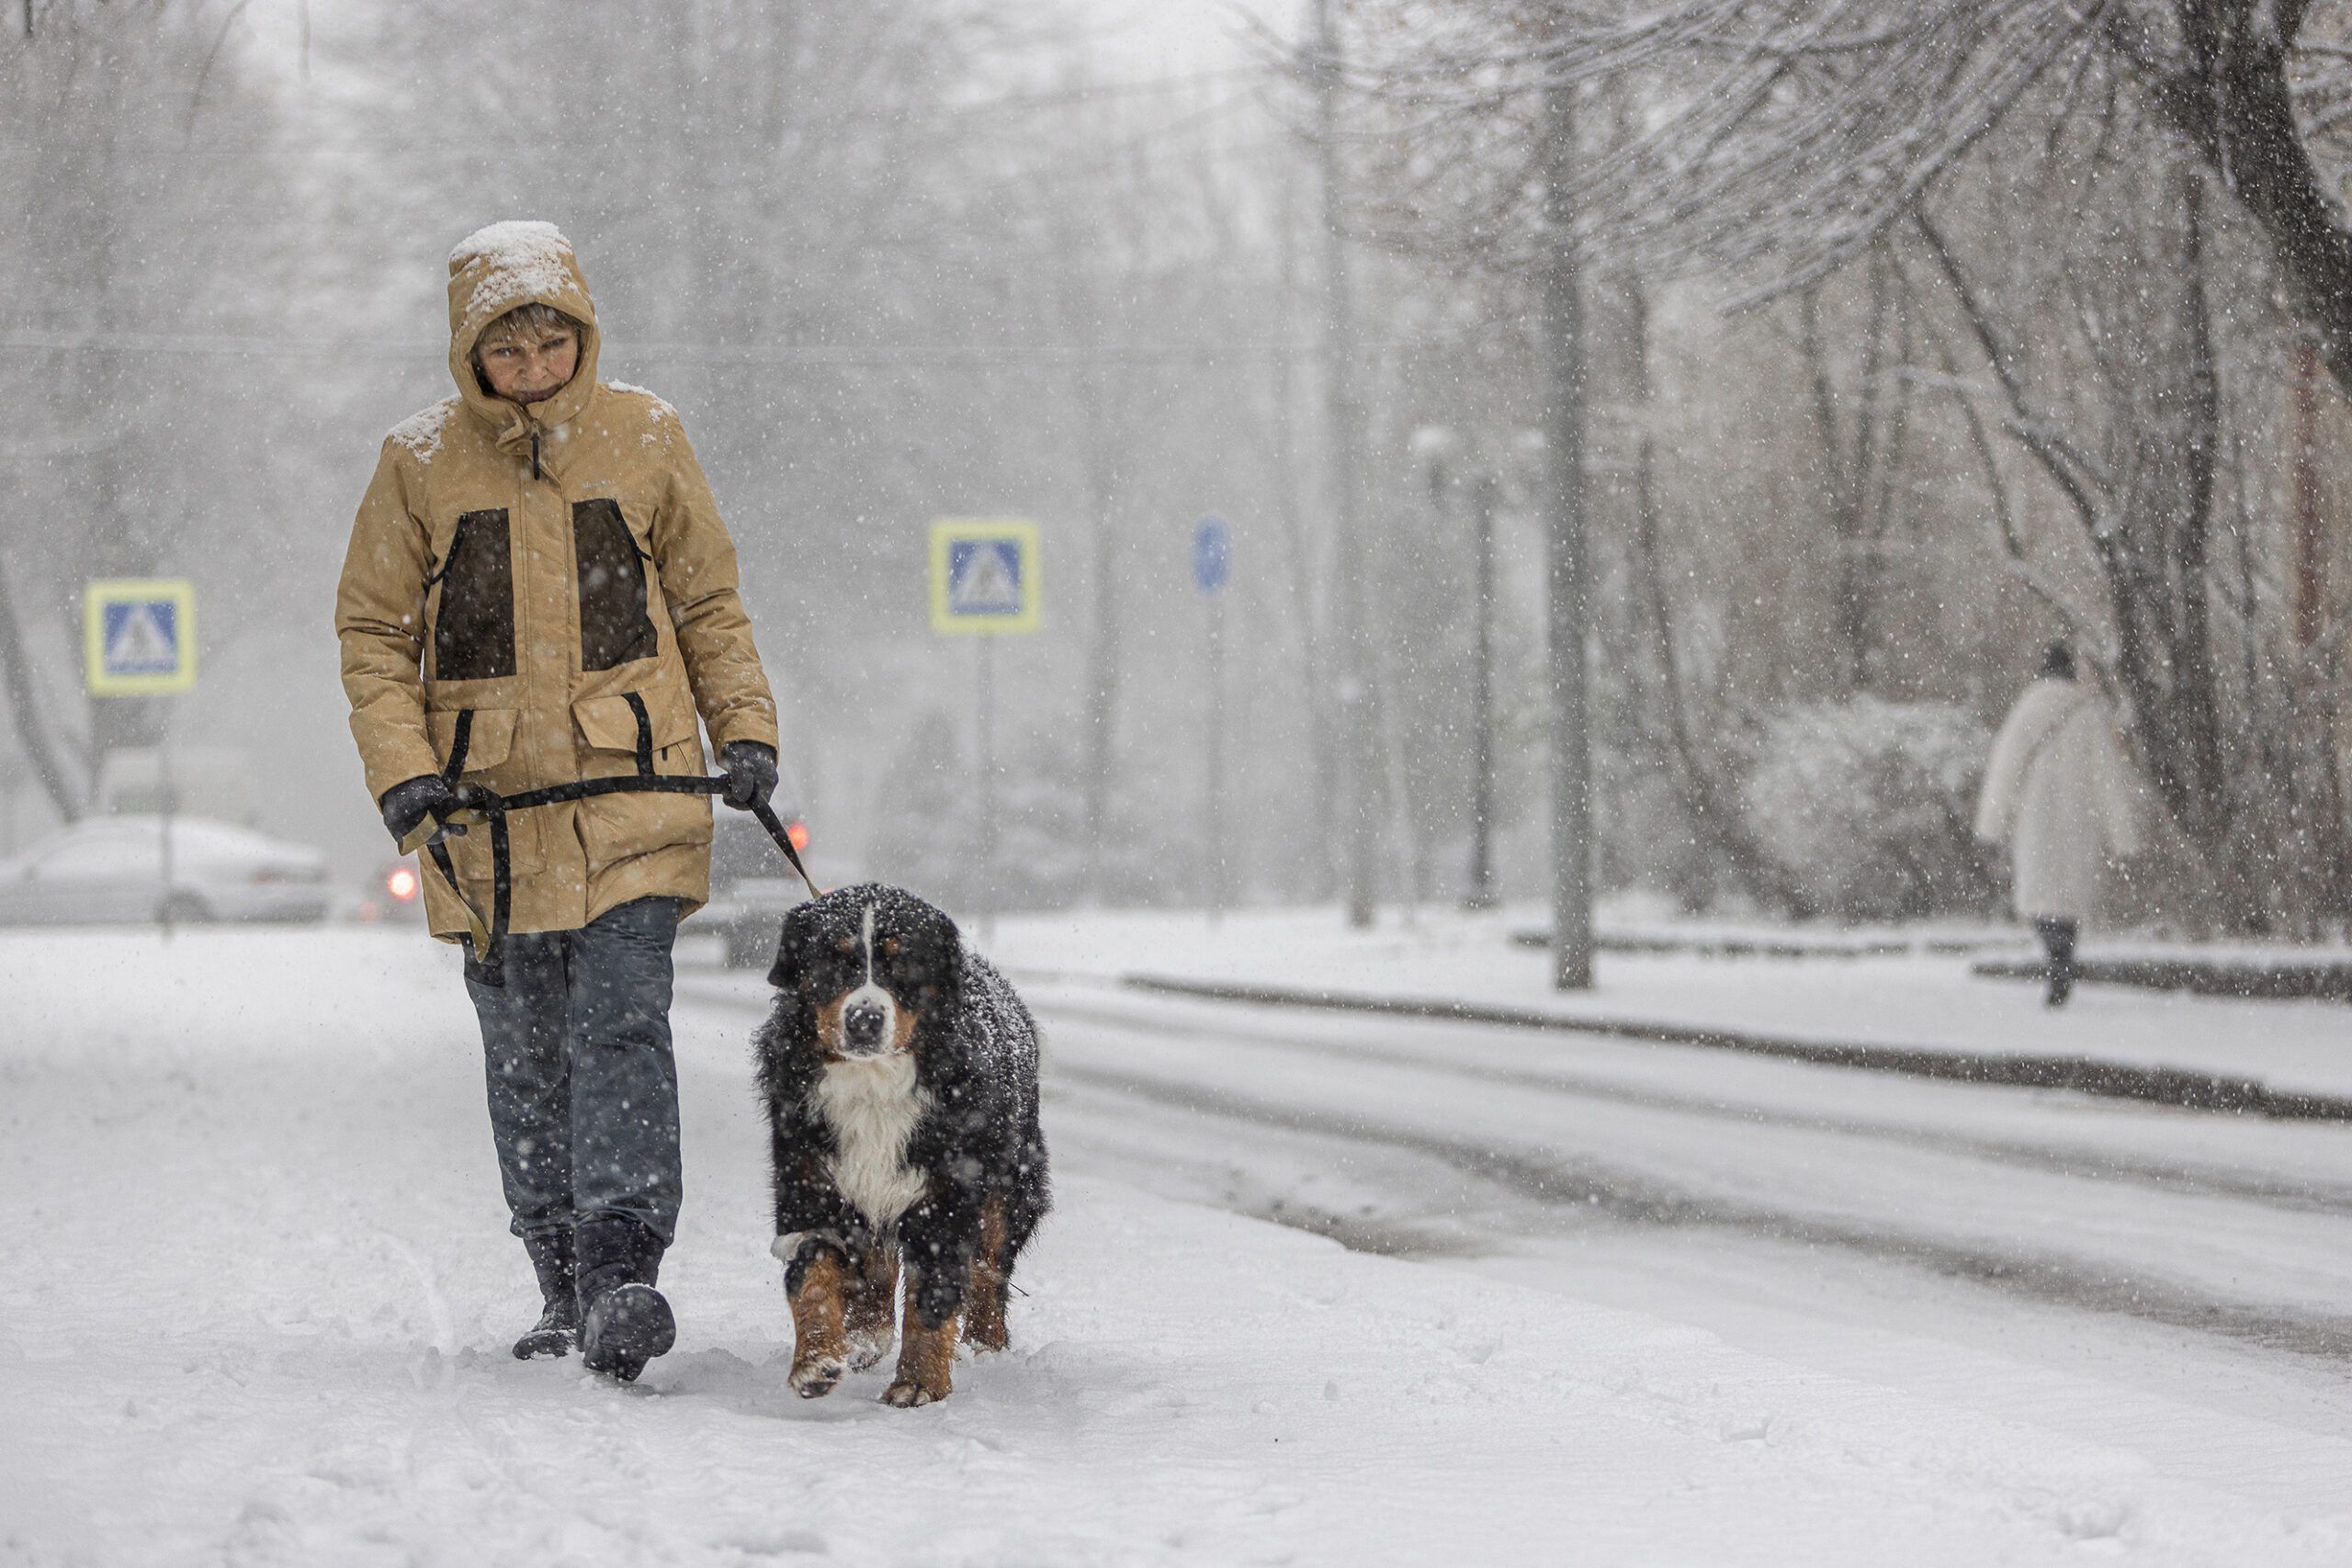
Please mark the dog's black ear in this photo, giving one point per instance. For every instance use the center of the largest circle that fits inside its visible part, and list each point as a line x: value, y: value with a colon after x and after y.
x: 785, y: 972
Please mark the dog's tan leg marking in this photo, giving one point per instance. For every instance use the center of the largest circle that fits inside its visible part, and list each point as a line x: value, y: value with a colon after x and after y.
x: 820, y: 1349
x: 924, y: 1356
x: 873, y: 1306
x: 984, y: 1298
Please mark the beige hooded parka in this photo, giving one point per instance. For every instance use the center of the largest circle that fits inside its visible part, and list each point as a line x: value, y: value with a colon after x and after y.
x: 559, y: 572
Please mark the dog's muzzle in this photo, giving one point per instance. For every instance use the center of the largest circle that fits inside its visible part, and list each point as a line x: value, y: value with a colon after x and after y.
x: 863, y: 1026
x: 869, y: 1022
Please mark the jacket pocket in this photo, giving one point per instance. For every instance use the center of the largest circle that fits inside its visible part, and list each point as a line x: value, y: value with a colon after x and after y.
x: 614, y: 626
x: 473, y: 618
x: 488, y: 742
x: 655, y: 725
x: 489, y: 734
x: 615, y: 828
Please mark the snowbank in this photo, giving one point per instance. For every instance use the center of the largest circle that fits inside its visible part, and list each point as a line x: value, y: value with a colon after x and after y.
x: 1919, y: 1001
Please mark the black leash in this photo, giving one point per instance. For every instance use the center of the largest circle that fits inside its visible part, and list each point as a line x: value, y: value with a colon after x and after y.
x: 490, y: 935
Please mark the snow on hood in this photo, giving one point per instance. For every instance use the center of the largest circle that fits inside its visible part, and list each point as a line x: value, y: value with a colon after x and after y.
x: 520, y: 260
x: 495, y: 269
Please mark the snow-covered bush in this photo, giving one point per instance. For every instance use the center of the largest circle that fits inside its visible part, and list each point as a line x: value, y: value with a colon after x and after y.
x: 1869, y: 804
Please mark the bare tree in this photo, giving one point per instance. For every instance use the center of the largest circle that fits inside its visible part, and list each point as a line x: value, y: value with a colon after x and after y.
x: 1796, y: 134
x: 1861, y: 432
x: 110, y: 118
x: 1683, y: 712
x: 1782, y: 141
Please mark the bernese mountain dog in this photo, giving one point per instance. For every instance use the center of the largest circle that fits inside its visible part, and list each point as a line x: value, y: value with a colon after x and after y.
x: 900, y: 1075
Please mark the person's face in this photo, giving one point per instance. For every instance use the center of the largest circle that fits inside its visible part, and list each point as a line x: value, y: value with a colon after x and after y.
x: 524, y: 367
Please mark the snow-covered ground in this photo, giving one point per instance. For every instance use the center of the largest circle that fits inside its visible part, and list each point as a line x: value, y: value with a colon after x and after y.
x: 1926, y: 1001
x: 1653, y: 1305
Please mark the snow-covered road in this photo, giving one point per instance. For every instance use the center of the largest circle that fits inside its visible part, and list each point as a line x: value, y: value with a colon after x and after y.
x: 1657, y: 1306
x: 2176, y: 1281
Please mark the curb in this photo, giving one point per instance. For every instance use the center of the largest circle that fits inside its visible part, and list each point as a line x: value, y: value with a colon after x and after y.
x: 2083, y: 1075
x: 1699, y: 946
x: 2315, y: 980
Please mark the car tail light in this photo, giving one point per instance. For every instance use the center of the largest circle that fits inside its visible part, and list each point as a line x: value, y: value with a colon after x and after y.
x: 798, y: 831
x: 401, y: 883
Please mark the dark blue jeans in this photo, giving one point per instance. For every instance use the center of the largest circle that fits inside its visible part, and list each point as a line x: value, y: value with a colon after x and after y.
x: 583, y: 1091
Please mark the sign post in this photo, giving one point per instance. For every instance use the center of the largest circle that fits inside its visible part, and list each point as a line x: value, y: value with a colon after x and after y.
x: 984, y: 584
x: 139, y: 640
x: 1212, y: 565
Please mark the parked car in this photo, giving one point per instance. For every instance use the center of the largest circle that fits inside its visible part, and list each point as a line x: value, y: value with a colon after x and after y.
x: 109, y: 869
x: 750, y: 885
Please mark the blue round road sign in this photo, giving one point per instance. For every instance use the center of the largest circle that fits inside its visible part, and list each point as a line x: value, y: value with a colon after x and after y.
x: 1212, y: 553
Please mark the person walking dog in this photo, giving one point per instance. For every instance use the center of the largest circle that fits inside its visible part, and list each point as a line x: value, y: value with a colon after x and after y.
x: 539, y: 590
x: 2060, y: 791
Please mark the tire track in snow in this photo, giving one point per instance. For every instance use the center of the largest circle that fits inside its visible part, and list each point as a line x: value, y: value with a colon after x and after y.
x: 1583, y: 1185
x: 2077, y: 1162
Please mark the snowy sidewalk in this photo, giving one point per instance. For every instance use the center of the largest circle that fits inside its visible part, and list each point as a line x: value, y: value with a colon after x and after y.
x: 260, y: 1294
x: 1922, y: 1002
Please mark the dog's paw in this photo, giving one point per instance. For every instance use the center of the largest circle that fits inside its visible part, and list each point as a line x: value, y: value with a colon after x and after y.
x: 906, y: 1396
x: 818, y: 1378
x: 866, y: 1347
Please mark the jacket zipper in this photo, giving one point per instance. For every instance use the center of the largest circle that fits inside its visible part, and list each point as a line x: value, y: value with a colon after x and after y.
x: 535, y: 455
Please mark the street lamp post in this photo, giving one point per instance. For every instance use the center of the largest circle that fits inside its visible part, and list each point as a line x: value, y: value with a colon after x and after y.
x: 1359, y: 833
x: 1481, y: 891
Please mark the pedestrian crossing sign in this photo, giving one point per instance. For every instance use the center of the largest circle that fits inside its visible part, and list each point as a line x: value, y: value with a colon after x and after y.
x: 983, y: 576
x: 139, y: 636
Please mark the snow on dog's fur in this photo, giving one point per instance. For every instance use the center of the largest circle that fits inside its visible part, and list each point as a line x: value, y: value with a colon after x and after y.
x: 900, y: 1075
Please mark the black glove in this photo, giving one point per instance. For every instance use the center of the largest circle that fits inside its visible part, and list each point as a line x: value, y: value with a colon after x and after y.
x: 411, y: 802
x: 750, y: 773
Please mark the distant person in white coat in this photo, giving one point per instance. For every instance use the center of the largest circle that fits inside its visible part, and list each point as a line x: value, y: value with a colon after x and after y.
x: 2061, y: 794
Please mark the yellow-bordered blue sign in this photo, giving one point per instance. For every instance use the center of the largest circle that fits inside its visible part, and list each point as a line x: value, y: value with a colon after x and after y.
x: 139, y: 636
x: 983, y: 576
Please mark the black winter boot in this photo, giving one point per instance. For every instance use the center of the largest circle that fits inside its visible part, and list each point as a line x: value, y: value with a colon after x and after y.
x: 558, y: 1330
x: 2058, y: 936
x: 625, y: 1321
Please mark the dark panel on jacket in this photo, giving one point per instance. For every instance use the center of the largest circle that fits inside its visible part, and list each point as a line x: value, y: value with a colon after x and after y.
x: 473, y: 630
x: 614, y: 626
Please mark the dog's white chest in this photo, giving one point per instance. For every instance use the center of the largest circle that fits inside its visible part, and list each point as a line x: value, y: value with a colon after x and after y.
x: 872, y: 1107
